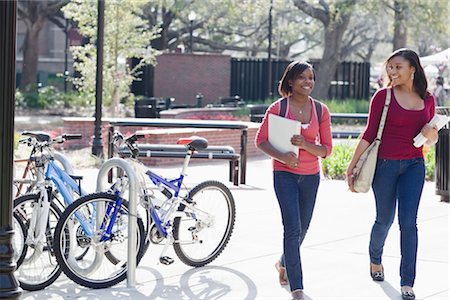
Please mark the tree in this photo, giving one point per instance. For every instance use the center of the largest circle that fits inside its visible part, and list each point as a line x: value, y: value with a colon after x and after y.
x: 126, y: 35
x: 335, y: 17
x: 35, y: 15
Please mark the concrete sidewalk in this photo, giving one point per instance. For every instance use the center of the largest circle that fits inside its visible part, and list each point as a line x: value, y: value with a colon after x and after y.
x: 334, y: 254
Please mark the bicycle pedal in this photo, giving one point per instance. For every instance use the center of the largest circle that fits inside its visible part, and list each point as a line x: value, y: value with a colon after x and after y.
x: 165, y: 260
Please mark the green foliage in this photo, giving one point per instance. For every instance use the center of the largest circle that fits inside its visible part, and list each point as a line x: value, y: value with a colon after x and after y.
x: 430, y: 163
x: 17, y: 137
x: 336, y: 164
x: 347, y: 105
x: 38, y: 98
x: 50, y: 97
x: 126, y: 35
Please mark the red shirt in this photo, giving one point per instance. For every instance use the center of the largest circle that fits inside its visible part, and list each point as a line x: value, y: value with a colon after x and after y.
x: 308, y: 163
x: 401, y: 126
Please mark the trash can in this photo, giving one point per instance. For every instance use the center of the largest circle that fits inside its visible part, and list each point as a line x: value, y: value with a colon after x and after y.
x: 442, y: 158
x: 257, y: 112
x: 149, y: 107
x: 231, y: 101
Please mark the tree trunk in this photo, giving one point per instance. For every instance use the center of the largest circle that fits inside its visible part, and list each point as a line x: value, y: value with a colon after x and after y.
x: 31, y: 54
x: 400, y: 29
x: 329, y: 62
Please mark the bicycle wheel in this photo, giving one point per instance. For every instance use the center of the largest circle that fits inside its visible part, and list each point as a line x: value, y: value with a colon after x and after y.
x: 36, y: 266
x: 84, y: 226
x: 206, y: 227
x: 20, y: 235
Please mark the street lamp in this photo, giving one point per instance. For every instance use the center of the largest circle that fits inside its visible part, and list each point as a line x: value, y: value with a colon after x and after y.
x: 191, y: 18
x: 269, y: 54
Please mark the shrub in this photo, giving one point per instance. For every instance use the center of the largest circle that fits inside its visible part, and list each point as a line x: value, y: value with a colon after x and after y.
x: 336, y: 164
x: 430, y: 162
x: 43, y: 97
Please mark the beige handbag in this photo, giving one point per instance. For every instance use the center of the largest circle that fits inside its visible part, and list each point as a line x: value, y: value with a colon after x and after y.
x: 364, y: 170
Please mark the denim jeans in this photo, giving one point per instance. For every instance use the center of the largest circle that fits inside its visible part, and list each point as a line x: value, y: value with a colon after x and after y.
x: 296, y: 196
x: 397, y: 181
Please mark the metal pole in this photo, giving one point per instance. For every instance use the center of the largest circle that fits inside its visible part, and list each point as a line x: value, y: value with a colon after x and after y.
x: 97, y: 144
x: 9, y: 287
x: 191, y: 29
x: 108, y: 166
x: 66, y: 50
x: 269, y: 53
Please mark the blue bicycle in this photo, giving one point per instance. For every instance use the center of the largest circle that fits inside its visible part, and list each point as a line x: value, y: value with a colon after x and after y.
x: 35, y: 215
x: 197, y: 222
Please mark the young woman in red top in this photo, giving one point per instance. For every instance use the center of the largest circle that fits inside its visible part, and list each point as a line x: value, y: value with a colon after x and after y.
x: 297, y: 175
x: 400, y: 170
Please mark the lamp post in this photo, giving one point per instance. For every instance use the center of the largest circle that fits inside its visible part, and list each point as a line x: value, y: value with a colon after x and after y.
x: 9, y: 286
x: 66, y: 52
x: 269, y: 54
x: 97, y: 144
x: 191, y: 18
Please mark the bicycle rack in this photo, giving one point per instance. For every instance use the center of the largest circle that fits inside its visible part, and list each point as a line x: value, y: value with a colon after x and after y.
x: 67, y: 166
x: 132, y: 219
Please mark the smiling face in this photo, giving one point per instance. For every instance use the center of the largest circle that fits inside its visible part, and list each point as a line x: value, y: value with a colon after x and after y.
x: 304, y: 83
x: 399, y: 71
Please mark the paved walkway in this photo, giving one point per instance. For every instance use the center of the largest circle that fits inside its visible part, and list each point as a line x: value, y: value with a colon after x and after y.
x: 334, y: 253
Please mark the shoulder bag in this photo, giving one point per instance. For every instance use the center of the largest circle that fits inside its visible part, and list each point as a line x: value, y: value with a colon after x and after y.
x: 364, y: 170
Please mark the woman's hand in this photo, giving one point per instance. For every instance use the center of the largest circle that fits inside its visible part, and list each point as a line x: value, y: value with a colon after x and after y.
x: 299, y: 141
x: 349, y: 177
x: 291, y: 160
x: 430, y: 133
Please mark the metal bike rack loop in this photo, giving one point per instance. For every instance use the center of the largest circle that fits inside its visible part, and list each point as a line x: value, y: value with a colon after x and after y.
x: 132, y: 215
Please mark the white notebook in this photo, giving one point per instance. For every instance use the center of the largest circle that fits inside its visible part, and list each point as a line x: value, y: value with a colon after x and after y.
x: 281, y: 131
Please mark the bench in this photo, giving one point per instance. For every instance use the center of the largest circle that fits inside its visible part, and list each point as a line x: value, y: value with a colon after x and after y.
x: 179, y: 151
x: 183, y: 123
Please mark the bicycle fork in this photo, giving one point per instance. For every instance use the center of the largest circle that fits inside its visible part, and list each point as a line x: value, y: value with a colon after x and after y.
x: 36, y: 235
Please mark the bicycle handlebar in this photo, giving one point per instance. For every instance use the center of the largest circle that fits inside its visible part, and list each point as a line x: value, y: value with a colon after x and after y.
x: 42, y: 139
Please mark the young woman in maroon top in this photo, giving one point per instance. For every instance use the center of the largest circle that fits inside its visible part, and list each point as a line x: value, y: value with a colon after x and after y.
x: 400, y: 171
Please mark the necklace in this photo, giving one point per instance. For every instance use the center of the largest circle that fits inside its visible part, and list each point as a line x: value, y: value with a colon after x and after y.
x: 300, y: 110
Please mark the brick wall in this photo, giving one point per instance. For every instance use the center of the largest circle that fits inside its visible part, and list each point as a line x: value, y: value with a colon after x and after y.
x: 215, y: 137
x: 182, y: 76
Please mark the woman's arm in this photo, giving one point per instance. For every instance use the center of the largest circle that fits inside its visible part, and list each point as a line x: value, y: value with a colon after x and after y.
x: 289, y: 158
x: 325, y: 147
x: 360, y: 148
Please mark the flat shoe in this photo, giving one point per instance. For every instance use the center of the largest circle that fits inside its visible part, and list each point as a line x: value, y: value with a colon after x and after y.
x: 377, y: 275
x: 408, y: 295
x: 281, y: 273
x: 298, y: 295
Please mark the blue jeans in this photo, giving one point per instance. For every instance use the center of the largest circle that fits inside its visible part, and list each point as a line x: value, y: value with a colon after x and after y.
x: 296, y: 196
x: 398, y: 181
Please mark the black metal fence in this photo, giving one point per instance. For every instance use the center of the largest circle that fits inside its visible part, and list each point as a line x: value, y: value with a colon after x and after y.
x: 249, y: 79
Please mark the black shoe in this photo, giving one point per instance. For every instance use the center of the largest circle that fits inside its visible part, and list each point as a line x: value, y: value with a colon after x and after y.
x: 408, y: 295
x: 377, y: 275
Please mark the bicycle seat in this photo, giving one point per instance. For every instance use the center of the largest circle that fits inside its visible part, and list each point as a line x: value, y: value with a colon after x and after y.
x: 40, y: 136
x: 194, y: 142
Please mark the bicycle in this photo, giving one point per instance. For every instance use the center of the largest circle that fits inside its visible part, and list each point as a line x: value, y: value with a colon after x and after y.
x: 198, y: 225
x: 35, y: 214
x: 27, y: 183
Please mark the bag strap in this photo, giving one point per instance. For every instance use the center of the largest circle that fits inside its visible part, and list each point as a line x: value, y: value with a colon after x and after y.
x: 384, y: 114
x: 283, y: 108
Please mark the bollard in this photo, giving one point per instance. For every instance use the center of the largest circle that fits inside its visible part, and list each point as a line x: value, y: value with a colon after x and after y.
x: 132, y: 215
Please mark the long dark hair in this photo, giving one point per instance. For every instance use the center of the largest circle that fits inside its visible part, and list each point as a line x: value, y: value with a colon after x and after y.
x: 293, y: 70
x: 420, y: 81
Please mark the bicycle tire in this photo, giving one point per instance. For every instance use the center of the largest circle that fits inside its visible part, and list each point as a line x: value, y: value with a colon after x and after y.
x: 36, y: 271
x: 92, y: 270
x: 186, y: 243
x: 20, y: 236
